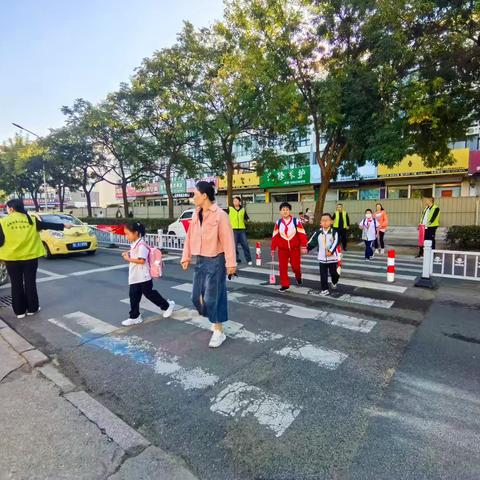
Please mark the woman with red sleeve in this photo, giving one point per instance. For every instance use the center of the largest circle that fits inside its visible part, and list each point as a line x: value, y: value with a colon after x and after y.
x: 291, y: 240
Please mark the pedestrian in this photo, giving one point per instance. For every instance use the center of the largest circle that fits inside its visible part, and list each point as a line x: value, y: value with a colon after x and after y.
x: 326, y: 240
x: 238, y: 219
x: 369, y: 228
x: 341, y: 223
x: 130, y: 214
x: 20, y: 249
x: 290, y: 239
x: 308, y: 216
x: 430, y: 220
x: 303, y: 218
x: 210, y: 238
x: 118, y: 214
x: 139, y: 278
x: 382, y: 222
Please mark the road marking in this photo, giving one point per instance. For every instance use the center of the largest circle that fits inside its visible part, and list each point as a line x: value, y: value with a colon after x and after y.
x: 343, y: 281
x: 330, y: 318
x: 39, y: 280
x: 139, y: 350
x: 296, y: 349
x: 360, y: 272
x: 98, y: 270
x: 371, y: 302
x: 241, y: 400
x: 48, y: 272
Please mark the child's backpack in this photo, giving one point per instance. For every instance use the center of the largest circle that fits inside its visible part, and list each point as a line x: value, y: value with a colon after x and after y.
x: 155, y: 261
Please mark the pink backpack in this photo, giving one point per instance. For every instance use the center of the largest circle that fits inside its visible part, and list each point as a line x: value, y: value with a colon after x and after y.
x: 155, y: 261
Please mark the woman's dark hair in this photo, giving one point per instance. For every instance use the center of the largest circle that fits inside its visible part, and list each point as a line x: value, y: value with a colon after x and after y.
x: 136, y: 227
x: 381, y: 206
x: 368, y: 210
x: 208, y: 188
x: 17, y: 205
x: 285, y: 205
x: 238, y: 198
x: 326, y: 214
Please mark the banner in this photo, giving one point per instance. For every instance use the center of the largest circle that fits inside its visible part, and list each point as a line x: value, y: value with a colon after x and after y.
x: 286, y: 177
x: 191, y: 182
x: 139, y: 191
x: 178, y: 185
x: 240, y: 180
x: 474, y: 163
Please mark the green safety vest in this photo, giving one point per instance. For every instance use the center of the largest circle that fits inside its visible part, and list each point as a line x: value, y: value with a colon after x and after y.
x: 237, y: 218
x: 433, y: 209
x: 22, y: 241
x: 337, y: 220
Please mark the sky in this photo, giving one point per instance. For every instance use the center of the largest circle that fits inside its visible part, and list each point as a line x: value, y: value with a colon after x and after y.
x: 55, y: 51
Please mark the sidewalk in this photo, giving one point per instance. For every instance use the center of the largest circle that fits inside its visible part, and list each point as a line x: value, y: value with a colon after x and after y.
x: 49, y: 429
x: 428, y: 424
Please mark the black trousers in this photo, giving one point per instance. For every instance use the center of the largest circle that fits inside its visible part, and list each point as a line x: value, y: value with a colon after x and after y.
x: 379, y: 240
x: 23, y: 277
x: 342, y: 237
x: 144, y: 288
x: 429, y: 235
x: 325, y: 268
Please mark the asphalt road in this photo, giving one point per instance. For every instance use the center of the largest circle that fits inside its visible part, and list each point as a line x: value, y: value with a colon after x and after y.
x: 290, y: 395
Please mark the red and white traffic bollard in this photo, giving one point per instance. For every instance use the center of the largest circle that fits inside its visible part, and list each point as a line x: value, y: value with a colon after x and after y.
x: 258, y: 255
x: 391, y: 266
x: 339, y: 265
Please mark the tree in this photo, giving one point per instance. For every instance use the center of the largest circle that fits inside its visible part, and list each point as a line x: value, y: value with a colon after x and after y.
x: 29, y: 169
x: 318, y: 53
x: 162, y: 107
x: 116, y: 137
x: 9, y: 158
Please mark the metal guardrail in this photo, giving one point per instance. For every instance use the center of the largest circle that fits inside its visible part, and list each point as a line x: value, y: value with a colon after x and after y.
x: 161, y: 240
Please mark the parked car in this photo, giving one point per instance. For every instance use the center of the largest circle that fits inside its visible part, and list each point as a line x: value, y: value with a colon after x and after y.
x: 180, y: 226
x: 3, y: 274
x: 80, y: 238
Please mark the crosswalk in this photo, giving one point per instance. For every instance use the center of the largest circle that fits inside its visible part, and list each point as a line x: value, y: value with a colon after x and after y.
x: 235, y: 398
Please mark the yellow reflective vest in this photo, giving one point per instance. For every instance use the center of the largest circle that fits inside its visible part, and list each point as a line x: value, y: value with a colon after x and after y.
x: 337, y: 220
x: 237, y: 218
x: 22, y: 240
x: 433, y: 209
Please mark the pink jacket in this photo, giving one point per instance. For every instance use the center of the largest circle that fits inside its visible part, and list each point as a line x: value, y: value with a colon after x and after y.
x: 211, y: 238
x: 382, y: 220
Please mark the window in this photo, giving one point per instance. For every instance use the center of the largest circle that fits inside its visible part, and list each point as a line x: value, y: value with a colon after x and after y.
x: 473, y: 143
x: 186, y: 215
x: 351, y: 194
x: 285, y: 197
x: 370, y: 194
x: 447, y: 191
x: 421, y: 191
x: 307, y: 197
x: 247, y: 198
x: 260, y: 198
x: 397, y: 192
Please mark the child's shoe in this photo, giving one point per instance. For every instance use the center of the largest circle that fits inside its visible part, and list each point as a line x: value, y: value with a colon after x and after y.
x: 132, y: 321
x: 168, y: 313
x: 324, y: 293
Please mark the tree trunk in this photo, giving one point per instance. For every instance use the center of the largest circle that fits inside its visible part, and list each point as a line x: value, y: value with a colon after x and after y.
x: 168, y: 187
x: 320, y: 203
x: 34, y: 196
x: 229, y: 182
x: 88, y: 197
x: 61, y: 197
x: 125, y: 199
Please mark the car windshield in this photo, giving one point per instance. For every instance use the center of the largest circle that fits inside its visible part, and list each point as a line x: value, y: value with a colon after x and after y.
x: 60, y: 218
x: 186, y: 215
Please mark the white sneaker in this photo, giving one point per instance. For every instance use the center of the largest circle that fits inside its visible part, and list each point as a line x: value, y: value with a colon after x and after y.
x: 334, y: 286
x: 382, y: 251
x: 250, y: 263
x: 29, y: 314
x: 324, y: 293
x: 132, y: 321
x: 21, y: 316
x: 168, y: 313
x: 376, y: 251
x: 218, y: 337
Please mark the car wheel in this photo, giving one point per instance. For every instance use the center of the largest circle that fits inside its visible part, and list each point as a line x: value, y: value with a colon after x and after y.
x: 48, y: 253
x: 3, y: 273
x: 91, y: 252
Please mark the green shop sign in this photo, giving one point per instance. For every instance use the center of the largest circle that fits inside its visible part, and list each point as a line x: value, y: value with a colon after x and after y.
x: 286, y: 177
x: 179, y: 185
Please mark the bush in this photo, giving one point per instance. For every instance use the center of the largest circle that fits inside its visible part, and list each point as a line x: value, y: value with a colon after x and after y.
x: 152, y: 225
x: 463, y: 237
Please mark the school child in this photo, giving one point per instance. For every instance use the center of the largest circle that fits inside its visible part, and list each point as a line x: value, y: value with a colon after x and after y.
x: 369, y: 227
x: 326, y: 240
x: 139, y: 277
x: 291, y: 240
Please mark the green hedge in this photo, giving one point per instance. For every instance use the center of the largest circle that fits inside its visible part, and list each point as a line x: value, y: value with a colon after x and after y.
x: 255, y: 230
x: 152, y: 225
x: 463, y: 237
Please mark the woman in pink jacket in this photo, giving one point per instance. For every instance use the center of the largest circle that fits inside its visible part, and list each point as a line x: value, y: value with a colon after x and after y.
x: 382, y: 222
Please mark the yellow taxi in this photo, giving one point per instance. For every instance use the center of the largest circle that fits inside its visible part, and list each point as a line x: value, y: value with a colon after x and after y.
x: 79, y: 238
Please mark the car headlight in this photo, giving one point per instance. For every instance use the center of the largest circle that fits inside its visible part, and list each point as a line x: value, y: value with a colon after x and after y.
x: 55, y: 234
x: 91, y: 232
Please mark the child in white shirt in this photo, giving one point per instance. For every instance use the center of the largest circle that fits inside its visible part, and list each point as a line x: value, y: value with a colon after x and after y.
x: 139, y: 277
x: 369, y: 229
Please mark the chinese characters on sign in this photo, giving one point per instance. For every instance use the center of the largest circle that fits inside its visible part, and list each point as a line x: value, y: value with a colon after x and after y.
x: 286, y: 177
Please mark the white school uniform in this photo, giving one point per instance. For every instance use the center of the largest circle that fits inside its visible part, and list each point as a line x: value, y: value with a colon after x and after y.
x: 369, y: 228
x: 138, y: 273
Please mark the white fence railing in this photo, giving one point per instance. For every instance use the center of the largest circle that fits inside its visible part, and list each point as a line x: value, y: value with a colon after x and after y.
x: 448, y: 264
x: 161, y: 240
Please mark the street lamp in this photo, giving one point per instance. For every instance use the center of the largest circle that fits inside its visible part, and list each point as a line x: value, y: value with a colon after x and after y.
x: 44, y: 171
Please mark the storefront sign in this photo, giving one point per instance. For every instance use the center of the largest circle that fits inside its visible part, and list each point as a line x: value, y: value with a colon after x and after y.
x: 178, y: 185
x: 412, y: 166
x: 474, y: 164
x: 285, y: 178
x: 145, y: 190
x: 191, y: 182
x: 240, y: 180
x: 365, y: 172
